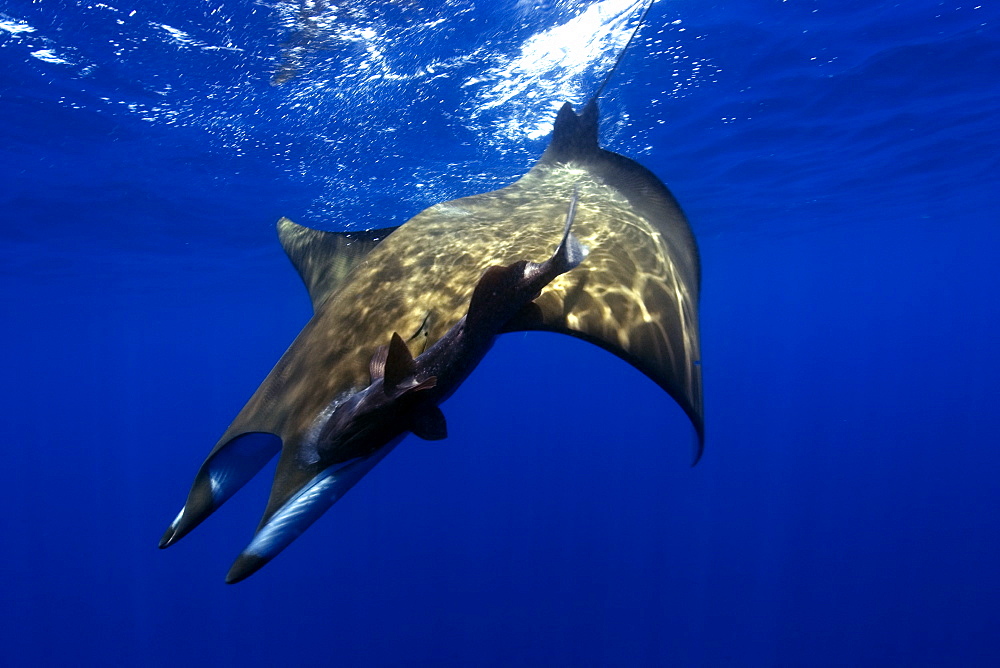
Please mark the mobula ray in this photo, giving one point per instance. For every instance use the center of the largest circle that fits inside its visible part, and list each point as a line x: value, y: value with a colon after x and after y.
x: 380, y: 297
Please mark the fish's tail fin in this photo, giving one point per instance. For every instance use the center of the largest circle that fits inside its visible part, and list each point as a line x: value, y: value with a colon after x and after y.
x: 502, y: 291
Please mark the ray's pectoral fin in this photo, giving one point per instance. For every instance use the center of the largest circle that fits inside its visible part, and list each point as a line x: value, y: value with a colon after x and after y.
x: 323, y: 259
x: 664, y: 347
x: 638, y: 296
x: 230, y: 466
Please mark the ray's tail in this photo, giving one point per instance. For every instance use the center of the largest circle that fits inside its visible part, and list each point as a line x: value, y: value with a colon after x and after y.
x: 621, y: 54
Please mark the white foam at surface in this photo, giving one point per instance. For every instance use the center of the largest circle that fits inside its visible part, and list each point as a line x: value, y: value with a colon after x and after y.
x: 15, y: 27
x: 362, y: 78
x: 49, y: 56
x: 551, y: 63
x: 179, y: 36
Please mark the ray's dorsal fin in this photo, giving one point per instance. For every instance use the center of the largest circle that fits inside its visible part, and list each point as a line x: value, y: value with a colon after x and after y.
x: 323, y: 259
x: 574, y: 136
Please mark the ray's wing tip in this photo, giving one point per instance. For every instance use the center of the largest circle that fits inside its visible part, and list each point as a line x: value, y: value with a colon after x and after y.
x: 696, y: 456
x: 175, y: 531
x: 168, y: 538
x: 697, y: 444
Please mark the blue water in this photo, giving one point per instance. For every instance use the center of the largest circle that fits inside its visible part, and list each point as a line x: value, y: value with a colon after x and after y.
x: 838, y: 163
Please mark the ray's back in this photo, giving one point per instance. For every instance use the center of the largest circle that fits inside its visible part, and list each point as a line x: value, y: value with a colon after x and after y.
x: 635, y: 295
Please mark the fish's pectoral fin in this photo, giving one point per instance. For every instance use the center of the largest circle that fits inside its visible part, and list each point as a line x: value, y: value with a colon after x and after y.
x: 376, y: 367
x: 429, y: 424
x: 300, y: 509
x: 230, y: 466
x: 323, y: 259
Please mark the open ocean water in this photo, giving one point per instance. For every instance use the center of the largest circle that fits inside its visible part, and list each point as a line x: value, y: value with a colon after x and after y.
x: 838, y: 162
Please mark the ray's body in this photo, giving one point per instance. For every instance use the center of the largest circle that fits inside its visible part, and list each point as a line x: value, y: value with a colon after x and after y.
x: 636, y: 295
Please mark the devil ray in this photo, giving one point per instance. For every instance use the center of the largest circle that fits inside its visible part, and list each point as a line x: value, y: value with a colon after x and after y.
x: 635, y: 295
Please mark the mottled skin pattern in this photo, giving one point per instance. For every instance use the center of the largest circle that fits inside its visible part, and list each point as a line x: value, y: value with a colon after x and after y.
x: 636, y: 294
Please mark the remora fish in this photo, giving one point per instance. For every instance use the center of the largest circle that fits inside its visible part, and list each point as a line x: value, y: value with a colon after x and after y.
x: 636, y: 295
